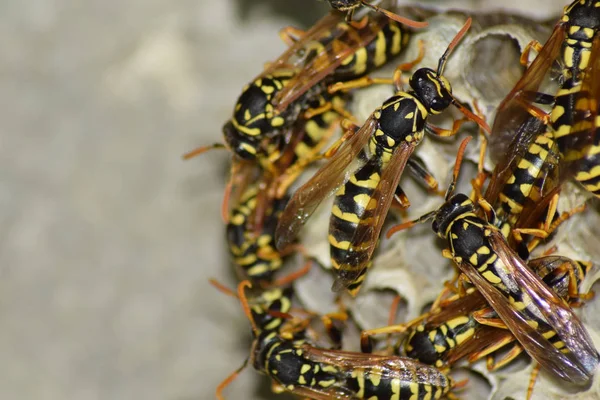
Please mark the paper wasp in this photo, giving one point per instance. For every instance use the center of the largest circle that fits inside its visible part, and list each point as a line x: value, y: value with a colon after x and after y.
x: 378, y: 153
x: 296, y: 366
x: 539, y: 319
x: 331, y: 51
x: 464, y: 327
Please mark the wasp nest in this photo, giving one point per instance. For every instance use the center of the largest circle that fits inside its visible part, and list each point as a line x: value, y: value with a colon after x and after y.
x: 482, y: 70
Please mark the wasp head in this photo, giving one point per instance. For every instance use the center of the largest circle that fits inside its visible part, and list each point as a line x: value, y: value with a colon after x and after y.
x: 583, y: 14
x: 242, y: 145
x: 433, y: 90
x: 344, y: 5
x: 457, y: 205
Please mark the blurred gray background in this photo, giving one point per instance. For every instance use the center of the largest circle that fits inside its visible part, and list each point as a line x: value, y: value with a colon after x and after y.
x: 108, y: 237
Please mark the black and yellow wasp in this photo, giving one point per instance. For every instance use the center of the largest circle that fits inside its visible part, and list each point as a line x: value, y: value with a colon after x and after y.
x: 539, y: 319
x: 254, y: 254
x: 465, y: 327
x: 296, y: 366
x: 378, y: 151
x: 251, y: 223
x: 567, y: 132
x: 350, y: 7
x: 331, y: 51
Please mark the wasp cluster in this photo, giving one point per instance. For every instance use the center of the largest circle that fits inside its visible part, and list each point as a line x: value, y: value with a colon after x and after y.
x: 320, y: 140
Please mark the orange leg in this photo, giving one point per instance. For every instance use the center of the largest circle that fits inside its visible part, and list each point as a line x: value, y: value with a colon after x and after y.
x: 534, y: 44
x: 408, y: 66
x: 532, y: 379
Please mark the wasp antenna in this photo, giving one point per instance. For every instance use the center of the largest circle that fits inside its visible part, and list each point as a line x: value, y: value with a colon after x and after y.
x: 203, y: 149
x: 410, y: 224
x: 471, y: 116
x: 452, y: 45
x: 244, y: 300
x: 229, y: 379
x: 457, y: 164
x: 222, y: 288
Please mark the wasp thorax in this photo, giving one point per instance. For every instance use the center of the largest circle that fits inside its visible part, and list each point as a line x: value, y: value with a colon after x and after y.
x: 449, y: 211
x: 253, y: 108
x: 584, y: 14
x: 432, y: 90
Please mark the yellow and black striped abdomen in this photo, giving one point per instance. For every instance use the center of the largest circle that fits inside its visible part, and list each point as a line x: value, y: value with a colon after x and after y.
x: 414, y: 382
x: 588, y: 173
x: 525, y: 185
x: 285, y: 364
x: 431, y: 346
x: 351, y: 208
x: 388, y: 43
x: 255, y: 256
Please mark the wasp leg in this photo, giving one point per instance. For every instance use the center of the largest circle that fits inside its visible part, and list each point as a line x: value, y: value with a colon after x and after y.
x: 436, y: 130
x: 290, y: 35
x: 419, y: 171
x: 513, y: 353
x: 532, y: 379
x: 478, y: 182
x: 549, y: 228
x: 360, y: 24
x: 365, y: 81
x: 498, y: 344
x: 488, y: 317
x: 407, y: 66
x: 350, y: 128
x: 365, y: 336
x: 534, y: 111
x: 401, y: 198
x: 487, y: 208
x: 228, y: 380
x: 534, y: 44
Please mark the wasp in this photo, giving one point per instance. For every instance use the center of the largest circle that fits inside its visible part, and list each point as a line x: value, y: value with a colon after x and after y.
x: 569, y: 127
x: 251, y: 224
x: 465, y: 327
x: 255, y: 255
x: 332, y: 50
x: 539, y: 319
x: 297, y: 367
x: 378, y: 151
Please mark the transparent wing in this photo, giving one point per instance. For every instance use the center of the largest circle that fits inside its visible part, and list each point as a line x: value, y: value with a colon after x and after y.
x: 389, y: 367
x: 512, y: 114
x: 296, y: 53
x: 576, y: 365
x: 322, y: 185
x: 364, y: 239
x: 325, y: 49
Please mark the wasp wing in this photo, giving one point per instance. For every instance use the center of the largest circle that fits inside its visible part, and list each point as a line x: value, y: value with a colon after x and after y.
x: 388, y: 367
x: 578, y: 364
x: 512, y: 113
x: 364, y: 240
x: 485, y: 341
x: 296, y: 53
x: 322, y: 185
x: 325, y: 50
